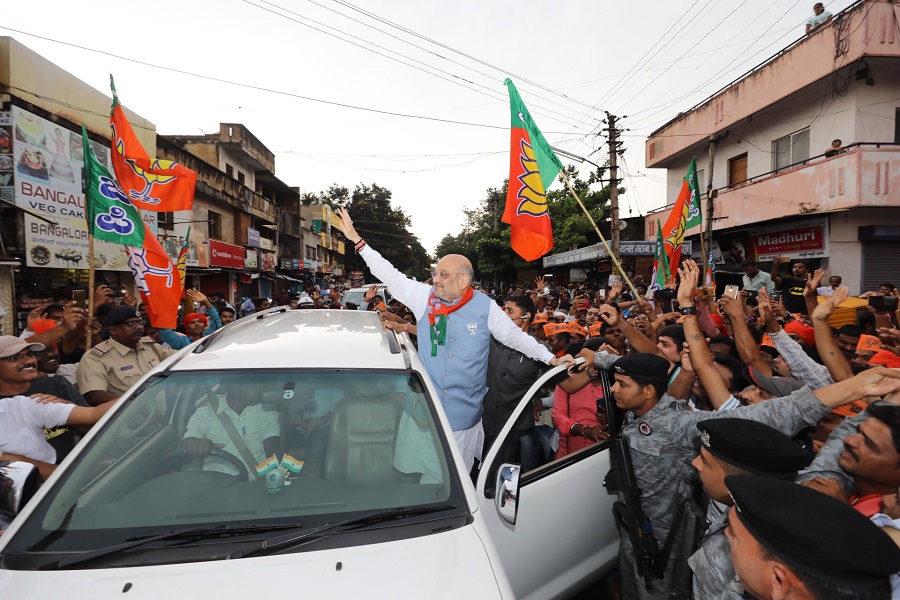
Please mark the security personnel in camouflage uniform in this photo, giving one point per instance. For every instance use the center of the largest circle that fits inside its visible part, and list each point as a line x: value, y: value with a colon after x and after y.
x: 664, y: 440
x: 733, y: 447
x: 110, y: 368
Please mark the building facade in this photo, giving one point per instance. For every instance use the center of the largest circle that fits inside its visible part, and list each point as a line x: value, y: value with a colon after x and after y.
x: 765, y: 138
x: 246, y: 235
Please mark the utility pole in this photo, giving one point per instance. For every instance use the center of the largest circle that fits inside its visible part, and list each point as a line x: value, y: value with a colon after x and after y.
x: 614, y: 182
x: 710, y: 194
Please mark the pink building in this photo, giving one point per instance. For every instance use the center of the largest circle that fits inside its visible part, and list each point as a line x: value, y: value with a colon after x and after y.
x: 778, y: 194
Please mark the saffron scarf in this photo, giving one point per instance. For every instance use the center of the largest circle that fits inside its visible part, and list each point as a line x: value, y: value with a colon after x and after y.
x: 437, y: 317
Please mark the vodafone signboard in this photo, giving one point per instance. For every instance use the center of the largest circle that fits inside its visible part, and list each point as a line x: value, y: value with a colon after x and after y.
x: 225, y: 255
x: 799, y: 240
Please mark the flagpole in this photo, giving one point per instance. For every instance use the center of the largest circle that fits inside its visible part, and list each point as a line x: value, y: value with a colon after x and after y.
x: 703, y: 256
x: 91, y: 275
x: 614, y: 258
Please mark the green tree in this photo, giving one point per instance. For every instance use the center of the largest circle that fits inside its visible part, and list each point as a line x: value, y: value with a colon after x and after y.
x: 383, y: 226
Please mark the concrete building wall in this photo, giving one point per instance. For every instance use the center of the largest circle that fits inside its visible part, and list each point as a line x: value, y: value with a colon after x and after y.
x: 34, y: 79
x: 870, y: 34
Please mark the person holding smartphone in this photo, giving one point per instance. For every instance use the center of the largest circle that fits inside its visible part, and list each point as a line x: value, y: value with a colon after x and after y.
x: 792, y: 286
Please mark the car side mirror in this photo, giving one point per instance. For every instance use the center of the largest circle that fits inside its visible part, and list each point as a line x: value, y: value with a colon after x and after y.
x: 18, y: 483
x: 506, y: 492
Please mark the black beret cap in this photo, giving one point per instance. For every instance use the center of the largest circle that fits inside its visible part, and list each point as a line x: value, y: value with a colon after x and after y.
x: 814, y: 533
x: 119, y: 315
x: 753, y: 447
x: 643, y: 366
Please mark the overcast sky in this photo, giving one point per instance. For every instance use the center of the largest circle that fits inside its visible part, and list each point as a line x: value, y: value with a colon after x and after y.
x: 571, y: 60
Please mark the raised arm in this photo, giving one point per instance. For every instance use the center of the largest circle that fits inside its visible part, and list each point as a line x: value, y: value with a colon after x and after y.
x: 637, y: 339
x: 776, y: 264
x: 748, y: 350
x: 810, y: 295
x: 411, y: 293
x: 828, y: 349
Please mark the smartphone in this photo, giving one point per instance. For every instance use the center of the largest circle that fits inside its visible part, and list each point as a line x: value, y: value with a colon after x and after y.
x: 731, y: 291
x: 884, y: 303
x: 80, y: 298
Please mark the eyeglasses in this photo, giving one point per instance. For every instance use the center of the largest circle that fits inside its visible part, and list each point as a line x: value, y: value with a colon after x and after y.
x: 134, y: 324
x: 441, y: 274
x: 17, y: 357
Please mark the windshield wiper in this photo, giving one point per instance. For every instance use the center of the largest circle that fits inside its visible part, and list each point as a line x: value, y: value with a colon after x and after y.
x: 189, y: 532
x: 288, y: 540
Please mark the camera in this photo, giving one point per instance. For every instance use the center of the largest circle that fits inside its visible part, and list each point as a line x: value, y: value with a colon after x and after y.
x: 665, y: 294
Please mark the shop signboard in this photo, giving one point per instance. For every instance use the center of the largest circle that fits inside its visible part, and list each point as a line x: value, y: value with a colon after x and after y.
x: 598, y: 252
x: 47, y: 161
x: 268, y: 261
x: 225, y: 255
x: 253, y: 237
x: 285, y: 264
x: 807, y: 239
x: 799, y: 240
x: 297, y: 264
x: 251, y: 259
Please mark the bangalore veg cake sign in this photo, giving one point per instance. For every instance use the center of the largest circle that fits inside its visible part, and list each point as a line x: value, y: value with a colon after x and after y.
x: 47, y: 161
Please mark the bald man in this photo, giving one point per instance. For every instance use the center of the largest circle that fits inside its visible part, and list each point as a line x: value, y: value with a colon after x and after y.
x: 455, y: 327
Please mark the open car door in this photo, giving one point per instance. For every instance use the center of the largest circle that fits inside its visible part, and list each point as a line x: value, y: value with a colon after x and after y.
x: 553, y: 525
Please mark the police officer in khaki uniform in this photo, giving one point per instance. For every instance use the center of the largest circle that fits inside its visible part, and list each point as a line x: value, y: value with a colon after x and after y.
x: 109, y: 369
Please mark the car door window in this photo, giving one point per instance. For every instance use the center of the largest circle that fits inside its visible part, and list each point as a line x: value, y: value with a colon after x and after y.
x: 539, y: 446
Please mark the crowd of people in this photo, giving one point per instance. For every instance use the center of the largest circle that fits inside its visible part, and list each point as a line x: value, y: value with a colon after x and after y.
x: 773, y: 411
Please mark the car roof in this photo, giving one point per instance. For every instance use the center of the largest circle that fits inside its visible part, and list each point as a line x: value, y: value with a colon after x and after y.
x: 280, y: 338
x: 365, y: 288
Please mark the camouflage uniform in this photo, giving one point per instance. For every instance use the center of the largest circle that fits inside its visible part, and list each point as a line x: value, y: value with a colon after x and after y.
x: 826, y: 461
x: 712, y: 566
x: 663, y: 442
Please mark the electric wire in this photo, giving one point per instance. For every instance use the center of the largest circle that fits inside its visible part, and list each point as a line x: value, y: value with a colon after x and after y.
x: 452, y: 78
x: 258, y: 87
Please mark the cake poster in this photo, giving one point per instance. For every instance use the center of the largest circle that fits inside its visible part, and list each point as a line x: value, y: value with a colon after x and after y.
x: 46, y: 164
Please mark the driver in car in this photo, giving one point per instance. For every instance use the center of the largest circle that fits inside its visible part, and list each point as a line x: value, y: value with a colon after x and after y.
x: 237, y: 424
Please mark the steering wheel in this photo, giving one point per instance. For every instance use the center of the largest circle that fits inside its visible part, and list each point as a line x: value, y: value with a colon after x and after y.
x: 138, y: 419
x: 237, y: 463
x: 181, y: 456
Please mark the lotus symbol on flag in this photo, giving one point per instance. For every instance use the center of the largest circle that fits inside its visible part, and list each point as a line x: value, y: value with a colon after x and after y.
x: 676, y: 236
x: 532, y: 199
x: 150, y: 179
x: 142, y: 269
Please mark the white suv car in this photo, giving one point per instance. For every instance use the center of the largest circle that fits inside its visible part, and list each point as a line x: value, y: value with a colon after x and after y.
x: 380, y: 507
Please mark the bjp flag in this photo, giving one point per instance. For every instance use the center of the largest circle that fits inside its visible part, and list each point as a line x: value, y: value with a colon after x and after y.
x: 157, y: 280
x: 532, y: 168
x: 151, y: 184
x: 685, y: 214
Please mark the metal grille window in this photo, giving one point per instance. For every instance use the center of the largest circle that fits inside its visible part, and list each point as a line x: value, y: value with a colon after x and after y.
x: 790, y: 149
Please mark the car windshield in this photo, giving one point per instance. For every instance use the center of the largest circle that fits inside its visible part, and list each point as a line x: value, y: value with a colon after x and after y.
x: 239, y: 448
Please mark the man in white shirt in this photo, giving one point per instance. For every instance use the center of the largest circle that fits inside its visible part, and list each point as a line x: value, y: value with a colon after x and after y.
x: 754, y: 279
x: 257, y: 426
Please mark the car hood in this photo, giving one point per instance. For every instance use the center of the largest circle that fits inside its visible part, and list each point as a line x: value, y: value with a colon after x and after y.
x: 452, y: 564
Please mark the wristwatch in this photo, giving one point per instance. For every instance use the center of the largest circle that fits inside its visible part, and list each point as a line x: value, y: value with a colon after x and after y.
x: 688, y: 310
